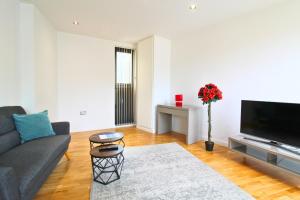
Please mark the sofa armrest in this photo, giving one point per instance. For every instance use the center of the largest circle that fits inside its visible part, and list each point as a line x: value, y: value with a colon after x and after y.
x: 9, y: 187
x: 61, y: 128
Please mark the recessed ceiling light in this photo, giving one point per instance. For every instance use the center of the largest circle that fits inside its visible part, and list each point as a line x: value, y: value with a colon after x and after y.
x: 192, y: 6
x: 75, y: 22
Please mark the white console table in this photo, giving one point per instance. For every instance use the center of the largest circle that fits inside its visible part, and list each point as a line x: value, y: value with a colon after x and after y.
x: 188, y: 113
x: 275, y: 157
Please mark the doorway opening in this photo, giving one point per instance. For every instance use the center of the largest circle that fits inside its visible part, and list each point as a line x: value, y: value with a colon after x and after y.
x: 124, y: 87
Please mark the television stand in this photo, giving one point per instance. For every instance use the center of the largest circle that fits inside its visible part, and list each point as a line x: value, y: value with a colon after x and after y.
x: 276, y: 144
x: 268, y: 153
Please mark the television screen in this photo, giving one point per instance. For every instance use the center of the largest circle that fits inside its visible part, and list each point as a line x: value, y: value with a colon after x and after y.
x: 278, y: 122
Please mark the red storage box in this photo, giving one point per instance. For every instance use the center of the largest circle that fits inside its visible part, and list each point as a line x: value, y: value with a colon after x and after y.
x: 178, y: 103
x: 178, y: 97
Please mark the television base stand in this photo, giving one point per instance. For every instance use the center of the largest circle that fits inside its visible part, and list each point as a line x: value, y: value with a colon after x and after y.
x: 276, y: 144
x: 268, y: 153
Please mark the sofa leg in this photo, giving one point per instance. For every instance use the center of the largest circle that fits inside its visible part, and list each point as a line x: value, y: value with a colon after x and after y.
x: 67, y: 155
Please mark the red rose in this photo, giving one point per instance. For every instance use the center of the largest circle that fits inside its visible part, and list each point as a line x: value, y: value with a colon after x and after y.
x: 214, y: 90
x: 205, y: 99
x: 210, y: 86
x: 220, y: 96
x: 200, y: 93
x: 211, y: 95
x: 205, y: 91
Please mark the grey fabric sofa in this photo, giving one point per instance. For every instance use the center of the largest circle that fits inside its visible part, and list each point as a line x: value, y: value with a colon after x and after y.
x: 24, y: 167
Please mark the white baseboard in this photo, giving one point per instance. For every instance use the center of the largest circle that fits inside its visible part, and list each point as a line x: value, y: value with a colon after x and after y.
x: 221, y: 142
x: 145, y: 129
x: 218, y: 141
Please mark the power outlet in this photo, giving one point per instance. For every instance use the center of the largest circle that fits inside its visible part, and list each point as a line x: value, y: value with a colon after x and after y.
x: 83, y: 112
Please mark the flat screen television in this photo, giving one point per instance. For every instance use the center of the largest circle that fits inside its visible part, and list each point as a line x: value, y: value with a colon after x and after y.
x: 276, y: 122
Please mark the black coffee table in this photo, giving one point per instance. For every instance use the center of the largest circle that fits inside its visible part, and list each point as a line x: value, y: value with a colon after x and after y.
x: 107, y: 164
x: 106, y: 138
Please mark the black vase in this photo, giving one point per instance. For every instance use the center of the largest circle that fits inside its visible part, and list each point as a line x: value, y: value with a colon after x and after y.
x: 209, y: 146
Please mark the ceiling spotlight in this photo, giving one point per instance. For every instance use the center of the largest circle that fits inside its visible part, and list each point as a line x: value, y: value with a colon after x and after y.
x: 75, y: 22
x: 192, y: 6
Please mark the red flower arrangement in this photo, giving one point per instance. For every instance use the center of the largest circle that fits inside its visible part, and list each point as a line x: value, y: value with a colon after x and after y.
x: 209, y: 93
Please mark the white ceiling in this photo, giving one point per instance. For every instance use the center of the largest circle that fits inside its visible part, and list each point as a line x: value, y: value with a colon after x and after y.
x: 132, y: 20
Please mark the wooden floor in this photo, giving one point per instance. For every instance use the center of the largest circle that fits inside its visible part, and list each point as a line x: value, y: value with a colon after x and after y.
x: 72, y: 179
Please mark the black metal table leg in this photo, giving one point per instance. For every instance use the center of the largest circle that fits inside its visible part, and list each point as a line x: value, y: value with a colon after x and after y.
x: 107, y: 165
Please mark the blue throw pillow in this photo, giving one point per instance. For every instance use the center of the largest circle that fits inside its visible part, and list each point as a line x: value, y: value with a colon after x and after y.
x: 33, y: 126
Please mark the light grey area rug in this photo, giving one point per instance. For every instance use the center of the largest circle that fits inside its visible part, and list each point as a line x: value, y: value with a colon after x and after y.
x: 166, y: 171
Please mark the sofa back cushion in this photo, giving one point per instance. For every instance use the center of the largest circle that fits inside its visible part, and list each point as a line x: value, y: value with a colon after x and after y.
x: 9, y: 137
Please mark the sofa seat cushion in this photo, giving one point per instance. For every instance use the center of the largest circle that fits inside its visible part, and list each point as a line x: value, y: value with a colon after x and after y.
x: 32, y: 158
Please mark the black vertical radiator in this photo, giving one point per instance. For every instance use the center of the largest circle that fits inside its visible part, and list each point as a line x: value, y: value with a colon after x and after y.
x: 124, y: 104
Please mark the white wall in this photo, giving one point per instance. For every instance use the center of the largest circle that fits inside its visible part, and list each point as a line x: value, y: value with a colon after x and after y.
x: 37, y: 61
x: 145, y: 70
x: 153, y: 79
x: 26, y: 57
x: 255, y: 56
x: 162, y: 71
x: 86, y: 81
x: 46, y: 65
x: 8, y: 52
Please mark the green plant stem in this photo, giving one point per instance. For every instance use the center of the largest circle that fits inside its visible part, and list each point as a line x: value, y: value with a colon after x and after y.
x: 209, y: 122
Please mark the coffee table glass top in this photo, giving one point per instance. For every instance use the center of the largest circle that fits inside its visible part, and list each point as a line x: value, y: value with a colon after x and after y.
x: 106, y: 137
